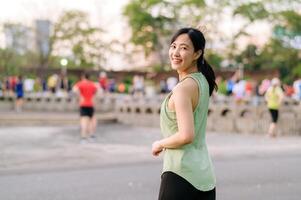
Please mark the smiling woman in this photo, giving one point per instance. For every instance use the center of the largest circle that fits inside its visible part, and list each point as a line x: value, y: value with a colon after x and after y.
x: 187, y: 168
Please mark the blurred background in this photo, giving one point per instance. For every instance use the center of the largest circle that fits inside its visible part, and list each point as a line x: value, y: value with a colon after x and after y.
x: 123, y: 45
x: 41, y: 36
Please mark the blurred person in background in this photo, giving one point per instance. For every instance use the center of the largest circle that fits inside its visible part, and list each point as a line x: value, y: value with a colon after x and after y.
x: 52, y: 83
x: 29, y: 85
x: 12, y: 84
x: 19, y: 91
x: 1, y: 88
x: 256, y: 94
x: 171, y: 83
x: 44, y: 85
x: 230, y: 84
x: 187, y: 169
x: 87, y: 91
x: 249, y: 89
x: 265, y: 84
x: 288, y: 90
x: 274, y: 96
x: 239, y: 91
x: 37, y: 87
x: 297, y: 89
x: 112, y: 85
x: 163, y: 86
x: 5, y: 86
x: 103, y: 81
x: 138, y: 86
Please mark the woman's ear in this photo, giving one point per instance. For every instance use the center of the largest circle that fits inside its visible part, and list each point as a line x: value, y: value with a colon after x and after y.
x: 197, y: 54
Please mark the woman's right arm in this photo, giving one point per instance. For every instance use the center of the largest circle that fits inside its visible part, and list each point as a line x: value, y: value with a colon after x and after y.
x: 182, y: 98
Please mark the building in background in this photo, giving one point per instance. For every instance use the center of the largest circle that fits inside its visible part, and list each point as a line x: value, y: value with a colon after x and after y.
x: 42, y: 37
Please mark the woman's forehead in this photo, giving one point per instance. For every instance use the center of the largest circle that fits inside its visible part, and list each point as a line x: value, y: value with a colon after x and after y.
x: 183, y: 39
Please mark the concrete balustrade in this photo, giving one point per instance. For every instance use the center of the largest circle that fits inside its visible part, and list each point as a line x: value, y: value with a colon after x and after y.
x: 6, y: 103
x: 52, y: 103
x: 223, y: 114
x: 138, y: 112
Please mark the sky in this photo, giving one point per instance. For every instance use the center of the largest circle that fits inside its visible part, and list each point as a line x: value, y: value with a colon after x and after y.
x: 28, y: 9
x: 25, y: 11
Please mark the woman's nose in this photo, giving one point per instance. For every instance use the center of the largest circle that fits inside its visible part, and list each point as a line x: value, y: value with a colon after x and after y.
x: 176, y: 52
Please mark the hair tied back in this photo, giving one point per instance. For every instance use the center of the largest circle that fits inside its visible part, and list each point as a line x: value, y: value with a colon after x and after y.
x: 201, y: 28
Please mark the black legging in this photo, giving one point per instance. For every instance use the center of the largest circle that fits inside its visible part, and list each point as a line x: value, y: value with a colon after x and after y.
x: 174, y: 187
x: 274, y: 115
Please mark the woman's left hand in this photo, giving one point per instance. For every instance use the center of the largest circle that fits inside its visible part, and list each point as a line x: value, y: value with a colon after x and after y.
x: 157, y: 148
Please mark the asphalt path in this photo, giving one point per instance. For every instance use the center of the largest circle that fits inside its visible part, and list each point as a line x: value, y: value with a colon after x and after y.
x: 49, y: 163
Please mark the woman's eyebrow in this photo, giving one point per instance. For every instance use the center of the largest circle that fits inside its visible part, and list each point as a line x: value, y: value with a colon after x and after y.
x: 181, y: 44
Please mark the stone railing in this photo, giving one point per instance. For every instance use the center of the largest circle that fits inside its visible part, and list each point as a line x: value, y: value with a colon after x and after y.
x: 223, y: 115
x: 252, y: 119
x: 53, y: 103
x: 139, y: 111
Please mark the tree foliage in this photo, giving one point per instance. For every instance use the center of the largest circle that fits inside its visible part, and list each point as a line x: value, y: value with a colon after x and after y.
x: 153, y: 21
x: 74, y: 35
x: 17, y: 53
x: 282, y: 51
x: 150, y: 22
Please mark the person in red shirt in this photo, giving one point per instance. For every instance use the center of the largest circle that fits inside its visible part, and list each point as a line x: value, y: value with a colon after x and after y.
x: 103, y: 81
x: 87, y: 91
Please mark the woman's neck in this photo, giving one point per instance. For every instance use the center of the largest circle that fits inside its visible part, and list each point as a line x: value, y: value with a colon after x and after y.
x: 189, y: 70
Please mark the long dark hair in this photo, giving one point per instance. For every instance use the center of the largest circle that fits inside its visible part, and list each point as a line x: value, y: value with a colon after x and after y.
x: 198, y: 40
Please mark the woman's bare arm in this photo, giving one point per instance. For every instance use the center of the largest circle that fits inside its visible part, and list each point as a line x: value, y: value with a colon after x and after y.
x: 182, y: 98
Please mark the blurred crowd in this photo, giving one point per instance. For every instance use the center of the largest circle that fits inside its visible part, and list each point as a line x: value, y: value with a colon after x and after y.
x: 249, y: 90
x: 60, y: 85
x: 55, y: 84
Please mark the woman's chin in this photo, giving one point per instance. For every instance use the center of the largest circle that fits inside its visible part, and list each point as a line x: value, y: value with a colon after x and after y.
x: 175, y: 67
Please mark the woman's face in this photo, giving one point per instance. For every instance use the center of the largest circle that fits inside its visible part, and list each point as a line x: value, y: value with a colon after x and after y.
x: 181, y: 53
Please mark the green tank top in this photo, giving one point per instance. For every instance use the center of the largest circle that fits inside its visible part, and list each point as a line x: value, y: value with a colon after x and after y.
x: 191, y: 161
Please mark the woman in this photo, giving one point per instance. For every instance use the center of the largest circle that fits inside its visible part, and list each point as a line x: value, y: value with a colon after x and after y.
x: 187, y: 169
x: 274, y: 97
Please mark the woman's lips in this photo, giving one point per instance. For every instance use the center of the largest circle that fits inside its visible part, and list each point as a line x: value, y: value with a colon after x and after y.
x: 176, y: 60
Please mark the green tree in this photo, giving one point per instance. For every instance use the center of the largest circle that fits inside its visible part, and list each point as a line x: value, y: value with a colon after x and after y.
x: 17, y: 53
x: 8, y: 64
x: 214, y: 59
x: 150, y: 22
x: 282, y: 50
x: 249, y: 58
x: 277, y: 56
x: 153, y: 21
x: 73, y: 32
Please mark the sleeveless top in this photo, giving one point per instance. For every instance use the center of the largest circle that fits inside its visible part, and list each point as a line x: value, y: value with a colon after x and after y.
x: 190, y: 161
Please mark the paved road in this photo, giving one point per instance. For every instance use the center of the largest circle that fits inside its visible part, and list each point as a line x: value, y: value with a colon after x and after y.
x: 49, y: 163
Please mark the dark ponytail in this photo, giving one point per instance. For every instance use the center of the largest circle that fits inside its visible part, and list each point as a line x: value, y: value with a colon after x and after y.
x: 207, y: 71
x: 198, y: 40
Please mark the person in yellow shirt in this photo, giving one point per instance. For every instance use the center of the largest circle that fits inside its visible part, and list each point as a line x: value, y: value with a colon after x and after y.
x: 274, y: 97
x: 52, y: 83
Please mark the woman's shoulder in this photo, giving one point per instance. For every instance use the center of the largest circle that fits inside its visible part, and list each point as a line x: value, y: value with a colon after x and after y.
x: 188, y: 87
